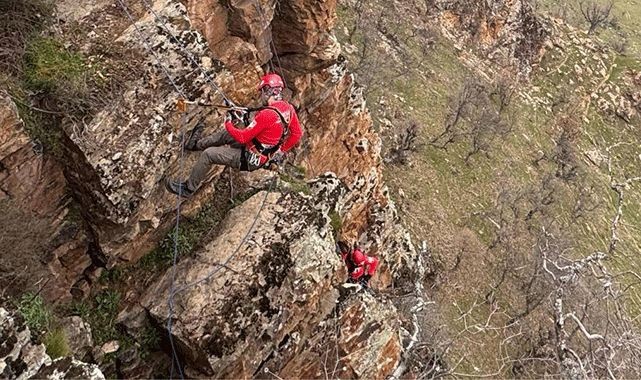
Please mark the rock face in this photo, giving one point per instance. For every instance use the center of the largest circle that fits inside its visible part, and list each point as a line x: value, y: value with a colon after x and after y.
x: 507, y: 31
x: 34, y: 184
x: 118, y: 162
x: 22, y: 359
x: 122, y: 156
x: 253, y: 299
x: 265, y: 301
x: 279, y: 282
x: 78, y: 334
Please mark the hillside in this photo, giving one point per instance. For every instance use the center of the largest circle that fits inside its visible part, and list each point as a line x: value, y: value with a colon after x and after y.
x: 524, y: 163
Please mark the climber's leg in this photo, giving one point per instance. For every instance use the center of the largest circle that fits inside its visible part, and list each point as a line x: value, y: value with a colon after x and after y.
x: 217, y: 155
x: 219, y: 138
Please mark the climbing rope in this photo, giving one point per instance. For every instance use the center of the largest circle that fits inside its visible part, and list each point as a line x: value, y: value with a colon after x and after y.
x: 182, y: 104
x: 170, y: 302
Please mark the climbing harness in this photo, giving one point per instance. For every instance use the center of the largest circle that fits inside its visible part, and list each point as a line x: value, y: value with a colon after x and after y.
x: 254, y: 155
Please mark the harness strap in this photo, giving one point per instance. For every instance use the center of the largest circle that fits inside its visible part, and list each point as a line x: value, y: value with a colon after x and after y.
x: 244, y: 165
x: 269, y: 151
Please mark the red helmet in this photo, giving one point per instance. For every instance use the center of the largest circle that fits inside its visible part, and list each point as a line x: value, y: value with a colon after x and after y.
x: 358, y: 257
x: 272, y: 81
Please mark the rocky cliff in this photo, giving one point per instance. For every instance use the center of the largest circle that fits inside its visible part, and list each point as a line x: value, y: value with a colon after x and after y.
x: 20, y: 358
x: 263, y: 295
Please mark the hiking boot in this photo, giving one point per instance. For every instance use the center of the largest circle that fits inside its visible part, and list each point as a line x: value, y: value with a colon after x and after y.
x: 192, y: 137
x: 178, y: 188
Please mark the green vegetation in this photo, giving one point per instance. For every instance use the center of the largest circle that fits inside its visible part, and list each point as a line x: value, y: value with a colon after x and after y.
x: 100, y: 312
x: 43, y: 325
x: 623, y: 28
x: 49, y: 66
x: 36, y: 314
x: 335, y: 222
x: 294, y: 184
x: 483, y: 215
x: 149, y: 340
x: 192, y: 231
x: 20, y: 20
x: 56, y: 343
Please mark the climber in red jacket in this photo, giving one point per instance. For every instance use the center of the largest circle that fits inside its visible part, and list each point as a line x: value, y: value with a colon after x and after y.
x: 360, y: 266
x: 266, y: 139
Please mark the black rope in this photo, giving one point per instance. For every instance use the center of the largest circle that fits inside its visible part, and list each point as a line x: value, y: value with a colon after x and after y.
x: 273, y: 45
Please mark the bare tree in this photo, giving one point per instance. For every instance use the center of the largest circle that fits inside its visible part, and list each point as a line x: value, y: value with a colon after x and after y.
x: 405, y: 143
x: 477, y: 113
x: 595, y: 14
x: 459, y: 109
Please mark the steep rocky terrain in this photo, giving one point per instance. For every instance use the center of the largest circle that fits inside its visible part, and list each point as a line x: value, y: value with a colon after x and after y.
x: 261, y: 294
x: 20, y: 358
x: 510, y: 139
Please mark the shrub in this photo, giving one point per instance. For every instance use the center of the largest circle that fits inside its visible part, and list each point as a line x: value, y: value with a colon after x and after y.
x: 25, y: 237
x: 19, y: 21
x: 36, y: 314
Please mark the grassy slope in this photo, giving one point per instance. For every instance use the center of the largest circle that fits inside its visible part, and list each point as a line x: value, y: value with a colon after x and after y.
x: 444, y: 198
x: 627, y: 14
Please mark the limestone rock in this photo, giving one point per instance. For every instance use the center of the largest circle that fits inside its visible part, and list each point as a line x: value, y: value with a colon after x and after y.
x: 239, y: 298
x: 20, y: 358
x: 370, y: 327
x: 69, y: 368
x: 244, y: 304
x: 507, y: 31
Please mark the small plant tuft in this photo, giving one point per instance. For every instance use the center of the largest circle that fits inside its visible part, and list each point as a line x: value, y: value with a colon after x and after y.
x: 335, y: 221
x: 100, y: 312
x: 295, y: 185
x: 57, y: 344
x: 149, y: 340
x: 36, y: 314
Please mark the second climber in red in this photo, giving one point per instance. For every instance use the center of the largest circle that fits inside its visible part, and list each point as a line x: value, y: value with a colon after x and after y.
x: 360, y: 267
x: 273, y: 131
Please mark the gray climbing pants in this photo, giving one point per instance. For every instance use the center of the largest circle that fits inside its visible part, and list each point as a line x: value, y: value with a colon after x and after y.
x: 218, y: 149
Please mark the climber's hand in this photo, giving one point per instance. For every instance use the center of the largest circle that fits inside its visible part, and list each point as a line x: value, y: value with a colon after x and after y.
x: 235, y: 116
x: 278, y: 157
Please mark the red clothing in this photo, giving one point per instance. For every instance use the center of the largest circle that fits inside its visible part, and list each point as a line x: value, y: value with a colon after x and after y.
x: 356, y: 270
x: 267, y: 129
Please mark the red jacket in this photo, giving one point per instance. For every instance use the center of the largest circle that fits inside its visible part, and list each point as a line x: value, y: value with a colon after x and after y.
x: 267, y: 129
x: 358, y: 269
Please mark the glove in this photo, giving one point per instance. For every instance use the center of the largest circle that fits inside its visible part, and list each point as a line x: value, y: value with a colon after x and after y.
x: 278, y: 157
x: 235, y: 116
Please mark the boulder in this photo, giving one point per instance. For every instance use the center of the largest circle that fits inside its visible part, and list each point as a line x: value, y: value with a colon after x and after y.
x: 78, y: 334
x: 266, y: 276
